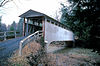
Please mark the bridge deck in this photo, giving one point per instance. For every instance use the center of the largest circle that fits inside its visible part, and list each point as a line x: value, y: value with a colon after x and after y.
x: 9, y: 46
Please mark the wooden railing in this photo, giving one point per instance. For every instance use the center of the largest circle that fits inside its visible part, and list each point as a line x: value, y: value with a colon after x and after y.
x: 4, y: 35
x: 28, y: 39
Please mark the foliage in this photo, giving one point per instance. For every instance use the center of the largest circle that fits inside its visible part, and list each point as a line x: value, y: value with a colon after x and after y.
x: 2, y: 26
x: 38, y: 58
x: 20, y: 25
x: 13, y: 26
x: 82, y: 17
x: 43, y: 44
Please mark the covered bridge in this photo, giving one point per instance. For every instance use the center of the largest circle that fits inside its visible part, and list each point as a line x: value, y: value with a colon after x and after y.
x: 51, y: 28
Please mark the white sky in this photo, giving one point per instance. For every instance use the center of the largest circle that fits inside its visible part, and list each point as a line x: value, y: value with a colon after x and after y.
x: 12, y: 11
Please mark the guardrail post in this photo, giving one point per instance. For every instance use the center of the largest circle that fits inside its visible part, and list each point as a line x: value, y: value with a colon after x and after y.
x: 34, y: 37
x: 38, y: 35
x: 20, y: 49
x: 15, y: 33
x: 4, y: 35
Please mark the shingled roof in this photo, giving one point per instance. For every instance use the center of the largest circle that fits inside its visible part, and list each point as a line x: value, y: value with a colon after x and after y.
x: 31, y: 13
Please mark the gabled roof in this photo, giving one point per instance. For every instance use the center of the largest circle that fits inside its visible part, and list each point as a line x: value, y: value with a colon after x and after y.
x: 31, y: 13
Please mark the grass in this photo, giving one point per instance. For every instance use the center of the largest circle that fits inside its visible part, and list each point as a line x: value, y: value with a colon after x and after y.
x: 81, y: 51
x: 80, y: 54
x: 31, y: 48
x: 65, y: 57
x: 65, y: 50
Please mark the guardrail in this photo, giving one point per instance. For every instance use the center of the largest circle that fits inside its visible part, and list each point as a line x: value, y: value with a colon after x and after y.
x: 28, y: 39
x: 6, y: 34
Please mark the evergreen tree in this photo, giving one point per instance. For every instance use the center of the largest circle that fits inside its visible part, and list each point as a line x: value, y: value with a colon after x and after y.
x: 13, y: 26
x: 2, y: 26
x: 82, y: 17
x: 20, y: 26
x: 0, y: 23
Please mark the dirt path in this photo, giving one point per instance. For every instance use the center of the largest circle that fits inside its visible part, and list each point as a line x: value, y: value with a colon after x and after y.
x: 9, y: 46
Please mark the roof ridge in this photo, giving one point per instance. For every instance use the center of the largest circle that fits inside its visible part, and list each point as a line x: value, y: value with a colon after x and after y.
x: 35, y: 11
x: 30, y: 12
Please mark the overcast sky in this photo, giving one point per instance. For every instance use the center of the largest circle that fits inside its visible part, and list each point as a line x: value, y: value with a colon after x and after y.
x: 13, y: 9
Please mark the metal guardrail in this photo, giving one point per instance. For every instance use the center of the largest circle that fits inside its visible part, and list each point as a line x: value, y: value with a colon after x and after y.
x: 28, y: 39
x: 8, y: 34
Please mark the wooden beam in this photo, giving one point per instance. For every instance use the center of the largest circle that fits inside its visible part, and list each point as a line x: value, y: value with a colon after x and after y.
x: 24, y: 27
x: 43, y: 26
x: 30, y: 29
x: 27, y: 27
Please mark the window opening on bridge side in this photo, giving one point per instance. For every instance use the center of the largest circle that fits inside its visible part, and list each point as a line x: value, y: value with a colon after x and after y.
x: 48, y: 20
x: 62, y: 26
x: 52, y: 22
x: 56, y: 24
x: 30, y: 21
x: 59, y: 25
x: 41, y: 24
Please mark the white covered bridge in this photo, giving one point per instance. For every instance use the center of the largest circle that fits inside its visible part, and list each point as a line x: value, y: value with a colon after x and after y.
x: 52, y: 29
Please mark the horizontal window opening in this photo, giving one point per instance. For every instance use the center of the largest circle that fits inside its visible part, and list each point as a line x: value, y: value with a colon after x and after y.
x: 52, y: 22
x: 48, y: 20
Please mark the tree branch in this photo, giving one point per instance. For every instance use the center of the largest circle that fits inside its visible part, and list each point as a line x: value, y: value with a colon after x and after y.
x: 4, y: 2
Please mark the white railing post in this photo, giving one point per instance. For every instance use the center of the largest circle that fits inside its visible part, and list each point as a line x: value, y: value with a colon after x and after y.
x: 4, y: 35
x: 35, y: 35
x: 20, y: 48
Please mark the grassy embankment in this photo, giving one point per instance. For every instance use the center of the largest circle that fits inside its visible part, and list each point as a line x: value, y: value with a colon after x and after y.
x: 34, y: 54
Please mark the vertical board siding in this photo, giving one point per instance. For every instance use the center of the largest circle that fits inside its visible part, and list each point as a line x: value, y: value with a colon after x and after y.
x: 56, y: 33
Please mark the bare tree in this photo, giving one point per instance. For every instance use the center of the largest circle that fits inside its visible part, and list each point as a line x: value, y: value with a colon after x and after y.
x: 57, y: 16
x: 3, y: 2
